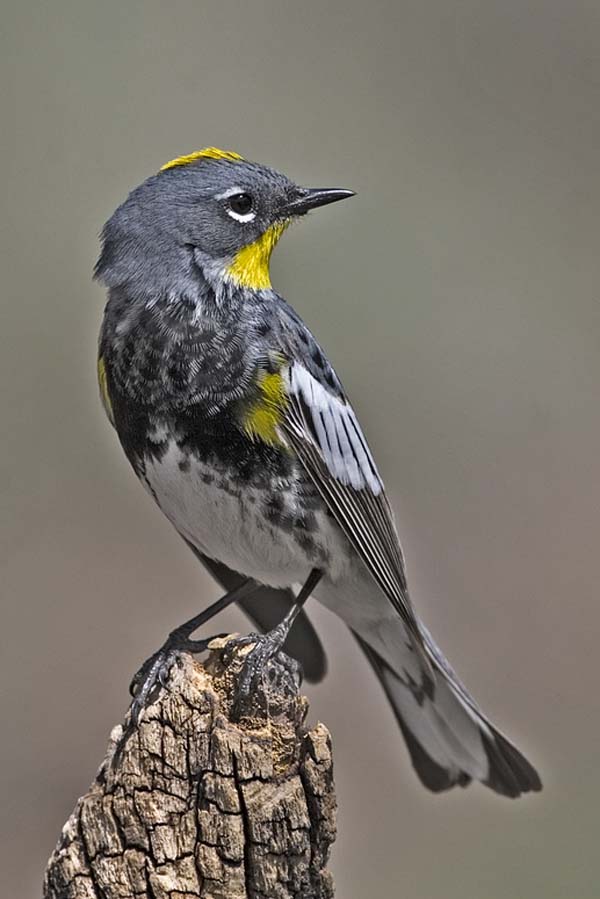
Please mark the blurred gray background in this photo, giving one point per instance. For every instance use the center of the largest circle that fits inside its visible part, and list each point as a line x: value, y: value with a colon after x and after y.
x: 457, y: 295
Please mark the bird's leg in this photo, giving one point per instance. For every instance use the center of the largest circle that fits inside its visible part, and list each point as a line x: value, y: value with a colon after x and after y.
x: 267, y: 646
x: 154, y: 672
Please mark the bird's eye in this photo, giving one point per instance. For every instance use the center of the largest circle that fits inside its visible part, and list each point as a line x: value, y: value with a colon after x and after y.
x: 241, y: 204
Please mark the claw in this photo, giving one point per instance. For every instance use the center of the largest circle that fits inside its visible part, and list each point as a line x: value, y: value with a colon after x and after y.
x: 149, y: 680
x: 236, y: 643
x: 163, y: 674
x: 265, y: 649
x: 154, y: 673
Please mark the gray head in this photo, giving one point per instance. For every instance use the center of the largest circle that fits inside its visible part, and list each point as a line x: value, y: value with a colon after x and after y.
x: 211, y: 209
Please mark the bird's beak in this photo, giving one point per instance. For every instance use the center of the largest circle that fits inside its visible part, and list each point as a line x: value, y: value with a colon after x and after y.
x: 312, y: 197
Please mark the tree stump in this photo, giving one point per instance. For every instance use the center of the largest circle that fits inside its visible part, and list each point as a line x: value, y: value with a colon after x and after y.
x: 204, y: 801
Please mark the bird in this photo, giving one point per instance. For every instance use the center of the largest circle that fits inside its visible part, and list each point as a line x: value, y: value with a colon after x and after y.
x: 239, y: 428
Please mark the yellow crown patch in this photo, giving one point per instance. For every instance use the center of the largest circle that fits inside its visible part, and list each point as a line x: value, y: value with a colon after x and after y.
x: 206, y: 153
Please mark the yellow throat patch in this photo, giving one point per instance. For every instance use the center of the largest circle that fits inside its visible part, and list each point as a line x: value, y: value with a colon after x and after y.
x: 250, y: 266
x: 264, y: 415
x: 206, y: 153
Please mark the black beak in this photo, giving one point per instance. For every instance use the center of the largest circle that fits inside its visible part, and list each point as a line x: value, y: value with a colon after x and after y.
x: 312, y: 197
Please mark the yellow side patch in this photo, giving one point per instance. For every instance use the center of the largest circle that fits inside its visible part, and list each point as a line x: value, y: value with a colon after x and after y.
x: 263, y: 417
x: 103, y: 384
x: 250, y: 267
x: 206, y: 153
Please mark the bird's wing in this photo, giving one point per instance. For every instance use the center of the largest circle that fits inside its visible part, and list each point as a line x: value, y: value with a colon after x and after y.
x: 322, y: 429
x: 266, y: 607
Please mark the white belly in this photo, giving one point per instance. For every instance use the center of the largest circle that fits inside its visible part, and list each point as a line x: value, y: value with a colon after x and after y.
x: 228, y: 523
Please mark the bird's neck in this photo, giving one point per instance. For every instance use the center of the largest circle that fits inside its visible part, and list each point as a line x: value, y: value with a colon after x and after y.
x: 214, y: 286
x: 179, y: 281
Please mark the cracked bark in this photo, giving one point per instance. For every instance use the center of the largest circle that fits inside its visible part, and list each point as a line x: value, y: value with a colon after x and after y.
x: 196, y: 805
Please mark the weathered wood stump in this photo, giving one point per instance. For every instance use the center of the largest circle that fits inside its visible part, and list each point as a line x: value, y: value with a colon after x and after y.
x: 201, y: 801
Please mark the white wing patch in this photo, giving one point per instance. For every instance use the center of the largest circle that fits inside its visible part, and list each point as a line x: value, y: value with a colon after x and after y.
x: 337, y: 432
x: 323, y: 431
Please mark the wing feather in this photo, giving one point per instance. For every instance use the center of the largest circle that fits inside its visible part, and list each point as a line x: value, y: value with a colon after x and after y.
x: 323, y: 430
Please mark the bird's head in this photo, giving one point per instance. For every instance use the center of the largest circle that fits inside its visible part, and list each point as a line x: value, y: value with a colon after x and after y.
x: 213, y: 205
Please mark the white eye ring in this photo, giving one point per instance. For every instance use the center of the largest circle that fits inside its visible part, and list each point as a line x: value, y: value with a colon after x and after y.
x: 238, y: 216
x: 250, y: 216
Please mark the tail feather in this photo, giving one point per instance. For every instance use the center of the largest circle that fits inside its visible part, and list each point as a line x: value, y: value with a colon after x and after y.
x: 449, y: 740
x: 436, y: 778
x: 510, y: 773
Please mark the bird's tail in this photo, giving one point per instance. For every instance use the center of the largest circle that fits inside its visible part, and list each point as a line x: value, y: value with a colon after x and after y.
x: 449, y: 739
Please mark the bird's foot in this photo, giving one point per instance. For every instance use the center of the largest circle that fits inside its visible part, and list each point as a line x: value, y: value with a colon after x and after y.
x: 154, y: 673
x: 265, y: 667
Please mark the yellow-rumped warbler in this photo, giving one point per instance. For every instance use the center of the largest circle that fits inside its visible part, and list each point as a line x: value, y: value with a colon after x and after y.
x: 239, y: 428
